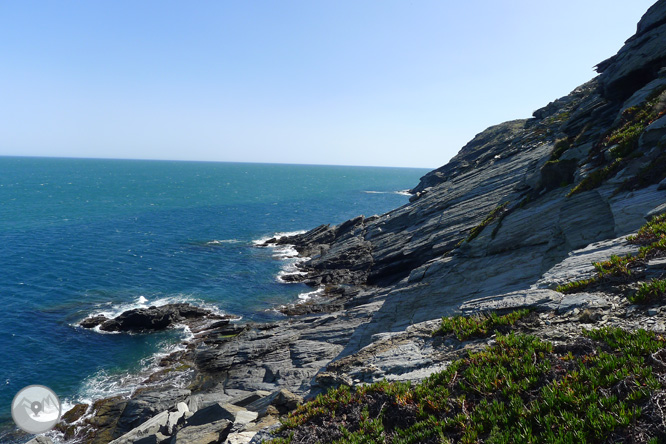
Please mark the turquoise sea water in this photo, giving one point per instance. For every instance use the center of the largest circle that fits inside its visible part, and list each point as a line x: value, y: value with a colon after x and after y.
x: 83, y: 236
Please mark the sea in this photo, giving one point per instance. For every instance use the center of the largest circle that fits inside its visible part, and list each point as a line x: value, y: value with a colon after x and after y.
x: 87, y: 236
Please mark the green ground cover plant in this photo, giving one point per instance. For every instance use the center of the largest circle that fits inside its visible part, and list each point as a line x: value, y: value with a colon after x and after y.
x: 561, y: 146
x: 649, y: 292
x: 479, y: 326
x: 651, y: 237
x: 597, y: 388
x: 596, y: 178
x: 623, y: 142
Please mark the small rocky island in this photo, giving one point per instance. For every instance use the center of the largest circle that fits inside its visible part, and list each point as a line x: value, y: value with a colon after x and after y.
x: 518, y: 297
x: 142, y: 320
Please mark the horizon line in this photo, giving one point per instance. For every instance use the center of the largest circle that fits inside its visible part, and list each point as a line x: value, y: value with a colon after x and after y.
x: 211, y: 161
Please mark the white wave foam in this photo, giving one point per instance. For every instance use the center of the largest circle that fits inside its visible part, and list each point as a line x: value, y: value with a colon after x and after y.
x: 286, y: 253
x: 279, y: 235
x: 401, y: 192
x: 104, y: 384
x: 310, y: 294
x: 112, y: 310
x: 224, y: 241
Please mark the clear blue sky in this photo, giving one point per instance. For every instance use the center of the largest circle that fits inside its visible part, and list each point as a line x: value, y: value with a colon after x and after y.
x: 351, y: 82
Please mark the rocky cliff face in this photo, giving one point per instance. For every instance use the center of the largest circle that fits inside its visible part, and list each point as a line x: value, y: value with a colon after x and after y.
x: 515, y: 201
x: 523, y: 207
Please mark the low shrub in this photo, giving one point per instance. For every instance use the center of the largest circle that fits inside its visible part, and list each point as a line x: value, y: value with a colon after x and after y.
x: 480, y: 326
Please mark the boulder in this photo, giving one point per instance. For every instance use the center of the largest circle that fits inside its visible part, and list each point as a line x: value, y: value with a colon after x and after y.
x: 286, y: 401
x: 105, y: 419
x: 281, y: 401
x: 207, y: 433
x: 93, y: 321
x: 240, y: 437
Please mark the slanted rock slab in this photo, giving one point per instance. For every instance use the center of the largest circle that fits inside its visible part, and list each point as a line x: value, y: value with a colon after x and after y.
x: 209, y: 433
x: 213, y: 413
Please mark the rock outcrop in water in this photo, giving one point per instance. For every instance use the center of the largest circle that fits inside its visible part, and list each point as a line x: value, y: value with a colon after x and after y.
x: 141, y: 320
x: 525, y: 206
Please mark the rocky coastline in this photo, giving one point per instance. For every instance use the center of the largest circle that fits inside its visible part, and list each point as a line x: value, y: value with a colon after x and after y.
x: 524, y: 210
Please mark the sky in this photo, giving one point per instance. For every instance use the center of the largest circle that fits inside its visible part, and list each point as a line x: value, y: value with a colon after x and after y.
x: 346, y: 82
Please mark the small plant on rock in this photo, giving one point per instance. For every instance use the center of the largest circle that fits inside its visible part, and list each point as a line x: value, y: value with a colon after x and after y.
x: 480, y: 326
x: 652, y: 291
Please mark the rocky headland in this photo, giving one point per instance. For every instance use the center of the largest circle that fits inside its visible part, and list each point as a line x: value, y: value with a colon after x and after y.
x: 532, y: 216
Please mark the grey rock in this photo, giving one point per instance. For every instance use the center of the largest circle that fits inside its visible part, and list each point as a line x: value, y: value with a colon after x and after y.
x: 249, y: 397
x: 573, y: 302
x: 240, y: 437
x: 182, y: 407
x: 208, y: 433
x: 93, y: 321
x: 151, y: 427
x: 40, y: 439
x: 174, y: 420
x: 639, y: 60
x: 151, y: 319
x: 157, y: 438
x: 146, y: 405
x: 655, y: 132
x: 535, y: 299
x: 237, y: 415
x: 283, y: 400
x: 264, y: 434
x: 579, y: 263
x: 286, y: 401
x: 657, y: 211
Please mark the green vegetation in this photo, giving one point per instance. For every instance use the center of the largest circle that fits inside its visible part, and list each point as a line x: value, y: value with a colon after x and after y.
x: 490, y: 218
x: 651, y: 233
x: 633, y: 123
x: 652, y: 291
x: 575, y: 286
x: 558, y: 118
x: 653, y: 173
x: 480, y: 326
x: 624, y: 140
x: 520, y: 390
x: 652, y: 237
x: 616, y: 267
x: 594, y: 179
x: 561, y: 146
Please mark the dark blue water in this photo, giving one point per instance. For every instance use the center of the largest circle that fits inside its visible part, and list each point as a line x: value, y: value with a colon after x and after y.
x: 81, y: 236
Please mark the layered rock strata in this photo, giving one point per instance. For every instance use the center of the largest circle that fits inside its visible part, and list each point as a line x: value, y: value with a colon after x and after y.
x: 525, y: 206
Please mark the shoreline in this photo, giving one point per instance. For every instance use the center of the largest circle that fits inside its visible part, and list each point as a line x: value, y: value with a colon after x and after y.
x: 176, y: 366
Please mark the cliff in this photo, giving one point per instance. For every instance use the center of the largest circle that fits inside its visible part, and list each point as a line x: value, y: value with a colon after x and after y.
x: 515, y: 201
x: 523, y: 208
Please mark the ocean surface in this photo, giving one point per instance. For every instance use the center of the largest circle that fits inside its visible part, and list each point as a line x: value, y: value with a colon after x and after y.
x: 83, y: 236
